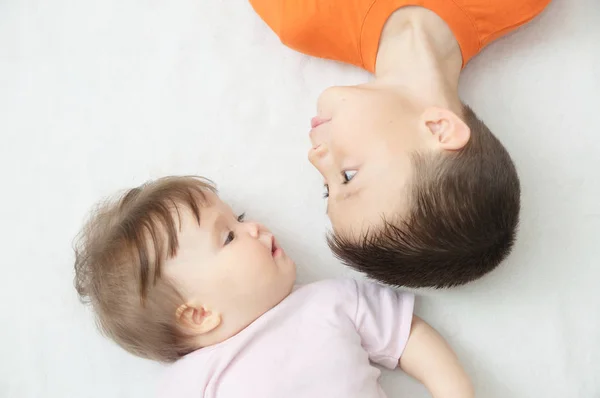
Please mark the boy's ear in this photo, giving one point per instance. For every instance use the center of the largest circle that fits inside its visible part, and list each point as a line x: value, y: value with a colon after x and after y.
x: 197, y: 319
x: 447, y: 128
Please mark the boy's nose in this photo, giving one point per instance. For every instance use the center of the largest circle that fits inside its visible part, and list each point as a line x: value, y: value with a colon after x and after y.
x: 316, y: 153
x: 321, y: 159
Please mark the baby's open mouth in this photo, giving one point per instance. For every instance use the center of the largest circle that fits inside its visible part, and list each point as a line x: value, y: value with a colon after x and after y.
x: 274, y: 247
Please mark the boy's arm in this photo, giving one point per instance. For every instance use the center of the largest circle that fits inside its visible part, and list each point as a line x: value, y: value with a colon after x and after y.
x: 429, y: 359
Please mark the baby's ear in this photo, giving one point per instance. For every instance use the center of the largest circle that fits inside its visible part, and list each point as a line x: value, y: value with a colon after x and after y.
x: 197, y: 319
x: 447, y: 128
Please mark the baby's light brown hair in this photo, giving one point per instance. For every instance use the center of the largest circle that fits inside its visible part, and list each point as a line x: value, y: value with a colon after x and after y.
x: 119, y: 259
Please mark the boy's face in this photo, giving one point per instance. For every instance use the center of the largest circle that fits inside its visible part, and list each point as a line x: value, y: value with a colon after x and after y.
x: 228, y: 267
x: 362, y: 147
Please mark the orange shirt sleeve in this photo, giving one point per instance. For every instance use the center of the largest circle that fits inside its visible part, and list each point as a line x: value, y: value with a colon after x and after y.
x: 271, y: 12
x: 327, y: 29
x: 502, y: 17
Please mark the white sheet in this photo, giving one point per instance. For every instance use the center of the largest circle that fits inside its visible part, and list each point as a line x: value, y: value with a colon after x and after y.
x: 99, y: 96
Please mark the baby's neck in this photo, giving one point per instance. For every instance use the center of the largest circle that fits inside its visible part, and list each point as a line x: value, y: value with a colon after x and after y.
x: 419, y: 52
x: 233, y: 322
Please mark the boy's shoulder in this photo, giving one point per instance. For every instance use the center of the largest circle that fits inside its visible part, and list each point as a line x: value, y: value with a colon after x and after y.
x: 350, y: 30
x: 326, y: 29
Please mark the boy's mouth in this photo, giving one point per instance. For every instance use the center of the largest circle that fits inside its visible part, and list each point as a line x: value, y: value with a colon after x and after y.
x: 317, y: 121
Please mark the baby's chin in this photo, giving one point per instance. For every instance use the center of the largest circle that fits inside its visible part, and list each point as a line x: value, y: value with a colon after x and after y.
x: 291, y: 277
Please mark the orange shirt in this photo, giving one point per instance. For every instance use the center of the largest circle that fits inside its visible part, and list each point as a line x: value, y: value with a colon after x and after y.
x: 349, y: 30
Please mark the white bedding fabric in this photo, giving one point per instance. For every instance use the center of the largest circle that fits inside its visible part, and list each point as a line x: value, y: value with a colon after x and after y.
x: 99, y: 96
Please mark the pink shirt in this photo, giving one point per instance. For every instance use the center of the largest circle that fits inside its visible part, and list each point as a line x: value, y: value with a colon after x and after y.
x: 316, y: 343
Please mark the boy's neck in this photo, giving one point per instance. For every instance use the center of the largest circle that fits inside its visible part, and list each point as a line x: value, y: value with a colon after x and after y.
x: 419, y: 53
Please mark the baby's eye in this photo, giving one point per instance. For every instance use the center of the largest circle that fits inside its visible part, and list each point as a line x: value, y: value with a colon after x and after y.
x: 348, y: 175
x: 230, y: 238
x: 326, y: 193
x: 231, y: 234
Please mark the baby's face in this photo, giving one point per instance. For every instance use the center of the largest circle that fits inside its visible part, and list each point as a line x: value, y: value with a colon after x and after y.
x: 362, y: 147
x: 229, y: 267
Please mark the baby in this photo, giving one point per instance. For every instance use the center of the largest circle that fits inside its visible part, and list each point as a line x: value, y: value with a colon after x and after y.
x: 174, y: 275
x: 420, y: 192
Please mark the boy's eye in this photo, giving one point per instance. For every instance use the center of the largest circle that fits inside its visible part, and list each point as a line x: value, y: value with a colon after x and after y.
x: 230, y: 238
x: 348, y: 175
x: 326, y: 193
x: 241, y: 217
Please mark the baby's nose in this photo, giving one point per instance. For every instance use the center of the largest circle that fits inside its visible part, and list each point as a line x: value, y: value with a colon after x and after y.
x: 262, y: 234
x: 252, y: 228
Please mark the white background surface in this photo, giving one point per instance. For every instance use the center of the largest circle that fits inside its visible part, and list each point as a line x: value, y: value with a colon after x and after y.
x: 99, y: 96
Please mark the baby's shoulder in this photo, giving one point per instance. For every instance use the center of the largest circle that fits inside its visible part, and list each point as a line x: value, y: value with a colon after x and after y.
x: 327, y: 291
x: 329, y: 286
x: 186, y: 376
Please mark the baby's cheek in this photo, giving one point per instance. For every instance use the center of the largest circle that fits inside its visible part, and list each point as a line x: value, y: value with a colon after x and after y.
x: 253, y: 270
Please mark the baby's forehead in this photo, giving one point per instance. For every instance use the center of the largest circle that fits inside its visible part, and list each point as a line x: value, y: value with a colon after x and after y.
x: 195, y: 230
x: 204, y: 213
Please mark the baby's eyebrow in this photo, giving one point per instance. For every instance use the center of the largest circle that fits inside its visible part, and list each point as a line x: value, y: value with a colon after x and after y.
x: 215, y: 226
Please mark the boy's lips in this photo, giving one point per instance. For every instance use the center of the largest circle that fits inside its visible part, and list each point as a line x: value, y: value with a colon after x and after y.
x: 317, y: 121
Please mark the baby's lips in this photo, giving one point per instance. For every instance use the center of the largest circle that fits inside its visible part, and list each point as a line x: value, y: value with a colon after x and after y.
x: 275, y: 249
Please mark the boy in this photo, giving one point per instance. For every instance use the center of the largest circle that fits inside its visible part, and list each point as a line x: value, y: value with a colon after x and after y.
x: 420, y: 192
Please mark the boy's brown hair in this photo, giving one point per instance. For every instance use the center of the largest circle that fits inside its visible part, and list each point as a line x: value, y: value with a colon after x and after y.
x: 119, y: 258
x: 464, y: 215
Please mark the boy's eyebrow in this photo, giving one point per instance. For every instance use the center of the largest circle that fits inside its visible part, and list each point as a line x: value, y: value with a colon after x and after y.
x: 347, y: 195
